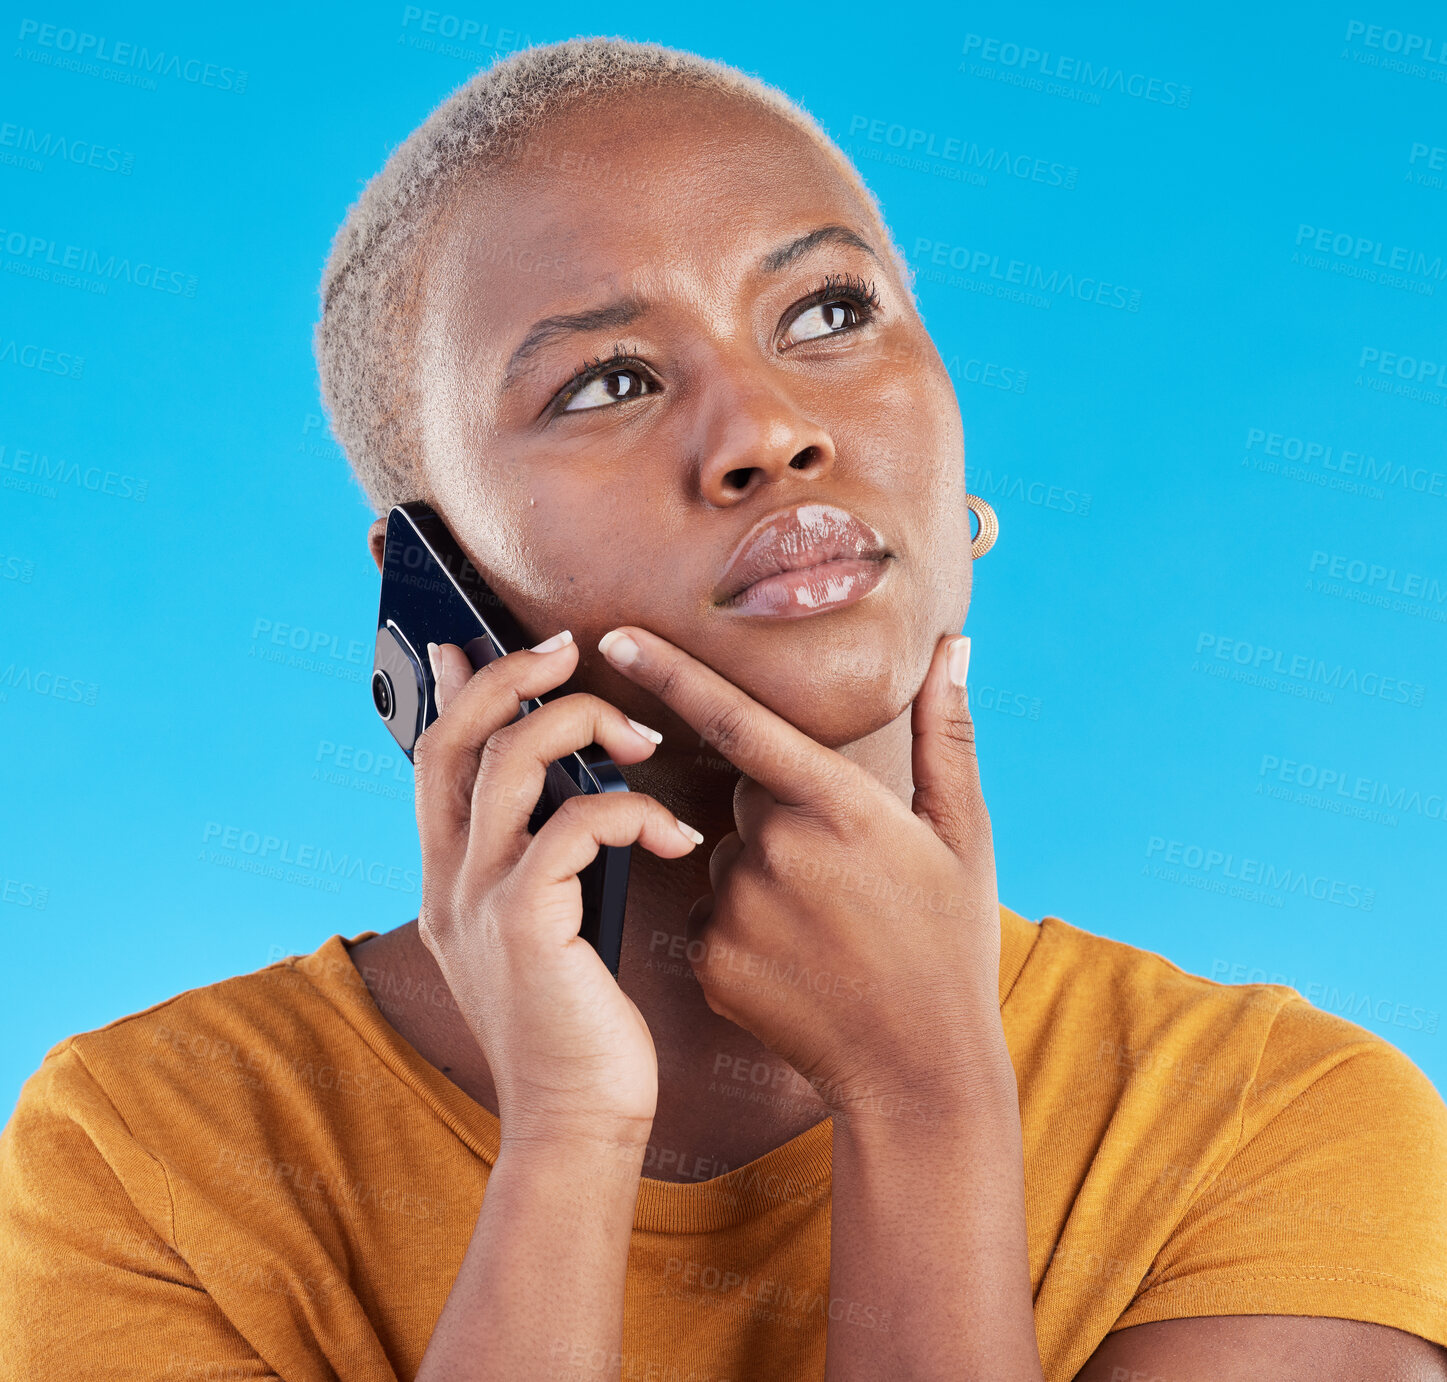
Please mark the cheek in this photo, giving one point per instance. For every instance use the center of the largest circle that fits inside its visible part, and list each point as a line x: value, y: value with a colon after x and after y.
x: 918, y: 447
x: 558, y: 555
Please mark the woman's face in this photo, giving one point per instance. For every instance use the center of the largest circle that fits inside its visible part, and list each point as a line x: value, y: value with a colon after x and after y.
x: 724, y: 384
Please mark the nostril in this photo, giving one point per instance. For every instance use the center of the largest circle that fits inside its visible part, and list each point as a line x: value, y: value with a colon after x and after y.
x: 738, y: 479
x: 805, y: 458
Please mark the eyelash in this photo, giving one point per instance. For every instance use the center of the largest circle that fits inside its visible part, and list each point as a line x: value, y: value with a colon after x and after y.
x: 845, y: 287
x: 850, y: 287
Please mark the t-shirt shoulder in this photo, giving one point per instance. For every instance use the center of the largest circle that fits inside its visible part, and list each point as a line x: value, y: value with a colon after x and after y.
x: 1137, y: 996
x: 1301, y: 1159
x: 266, y: 1038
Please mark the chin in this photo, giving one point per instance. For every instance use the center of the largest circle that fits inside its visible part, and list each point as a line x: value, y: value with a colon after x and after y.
x: 837, y: 689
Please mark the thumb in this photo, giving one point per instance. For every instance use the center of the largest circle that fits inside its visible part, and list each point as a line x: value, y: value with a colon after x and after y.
x: 946, y: 771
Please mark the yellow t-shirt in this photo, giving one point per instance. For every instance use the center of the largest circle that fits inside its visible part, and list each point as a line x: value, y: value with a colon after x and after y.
x: 261, y: 1179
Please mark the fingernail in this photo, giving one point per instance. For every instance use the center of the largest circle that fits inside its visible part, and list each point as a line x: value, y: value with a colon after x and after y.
x: 551, y: 645
x: 618, y: 648
x: 688, y: 831
x: 652, y: 735
x: 958, y: 660
x: 433, y: 653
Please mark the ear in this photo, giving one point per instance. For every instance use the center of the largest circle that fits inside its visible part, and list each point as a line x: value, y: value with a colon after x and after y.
x: 377, y: 539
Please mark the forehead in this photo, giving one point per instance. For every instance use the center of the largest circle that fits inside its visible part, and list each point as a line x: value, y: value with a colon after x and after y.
x: 645, y: 193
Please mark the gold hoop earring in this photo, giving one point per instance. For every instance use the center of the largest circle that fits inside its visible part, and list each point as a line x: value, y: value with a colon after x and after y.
x: 989, y: 526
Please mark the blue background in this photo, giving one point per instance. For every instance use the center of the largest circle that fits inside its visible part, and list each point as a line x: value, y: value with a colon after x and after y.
x: 189, y: 561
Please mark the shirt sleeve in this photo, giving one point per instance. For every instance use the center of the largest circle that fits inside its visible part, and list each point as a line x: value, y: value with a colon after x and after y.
x: 91, y: 1284
x: 1334, y: 1201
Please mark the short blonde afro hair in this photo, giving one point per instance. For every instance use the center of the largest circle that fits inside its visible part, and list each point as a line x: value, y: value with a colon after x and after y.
x: 370, y: 288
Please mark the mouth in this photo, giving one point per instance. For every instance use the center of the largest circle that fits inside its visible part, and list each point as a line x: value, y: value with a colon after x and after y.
x: 801, y: 561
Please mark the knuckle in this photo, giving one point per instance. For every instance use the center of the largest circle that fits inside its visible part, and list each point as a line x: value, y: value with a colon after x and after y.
x: 772, y: 839
x: 498, y: 745
x: 425, y: 749
x: 573, y: 813
x: 666, y: 682
x: 959, y: 729
x: 724, y: 726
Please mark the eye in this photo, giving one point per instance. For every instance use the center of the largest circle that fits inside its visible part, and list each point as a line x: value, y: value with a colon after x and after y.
x: 823, y: 319
x: 603, y: 383
x: 840, y: 304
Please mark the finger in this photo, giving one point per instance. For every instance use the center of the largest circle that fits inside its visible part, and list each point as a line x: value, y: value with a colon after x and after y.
x: 447, y: 753
x: 451, y: 671
x: 572, y: 836
x: 796, y: 770
x: 698, y: 918
x: 515, y: 760
x: 752, y: 803
x: 946, y: 770
x: 722, y: 859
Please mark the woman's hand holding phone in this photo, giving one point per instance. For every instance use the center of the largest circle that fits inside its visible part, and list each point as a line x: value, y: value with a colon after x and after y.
x: 571, y: 1057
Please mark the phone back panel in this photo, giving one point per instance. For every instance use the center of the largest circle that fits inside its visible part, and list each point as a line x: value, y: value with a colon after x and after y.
x: 432, y: 593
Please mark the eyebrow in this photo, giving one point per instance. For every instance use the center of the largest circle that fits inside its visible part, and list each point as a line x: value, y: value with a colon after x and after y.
x: 785, y: 255
x: 625, y: 311
x: 620, y: 313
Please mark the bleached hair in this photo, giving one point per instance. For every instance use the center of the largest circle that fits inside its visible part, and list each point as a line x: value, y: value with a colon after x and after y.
x: 370, y: 288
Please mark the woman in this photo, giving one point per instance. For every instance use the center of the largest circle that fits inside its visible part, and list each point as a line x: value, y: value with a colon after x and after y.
x: 633, y: 325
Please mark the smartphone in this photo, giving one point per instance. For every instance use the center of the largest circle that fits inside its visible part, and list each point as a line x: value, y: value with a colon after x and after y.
x: 431, y: 593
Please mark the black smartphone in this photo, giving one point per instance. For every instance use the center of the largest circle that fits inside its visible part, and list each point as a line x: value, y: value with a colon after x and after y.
x: 432, y: 593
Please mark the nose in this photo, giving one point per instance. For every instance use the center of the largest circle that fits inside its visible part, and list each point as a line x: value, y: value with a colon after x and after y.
x: 754, y: 433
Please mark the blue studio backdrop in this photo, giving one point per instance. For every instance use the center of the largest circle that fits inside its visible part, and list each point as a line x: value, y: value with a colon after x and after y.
x: 1186, y: 269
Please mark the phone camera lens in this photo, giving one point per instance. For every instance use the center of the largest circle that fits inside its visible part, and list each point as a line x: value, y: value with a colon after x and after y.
x: 382, y: 696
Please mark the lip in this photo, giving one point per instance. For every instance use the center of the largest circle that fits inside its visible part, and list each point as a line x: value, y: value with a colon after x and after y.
x: 803, y: 560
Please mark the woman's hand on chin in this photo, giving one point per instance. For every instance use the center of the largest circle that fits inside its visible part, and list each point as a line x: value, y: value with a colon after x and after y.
x: 856, y: 937
x: 570, y: 1054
